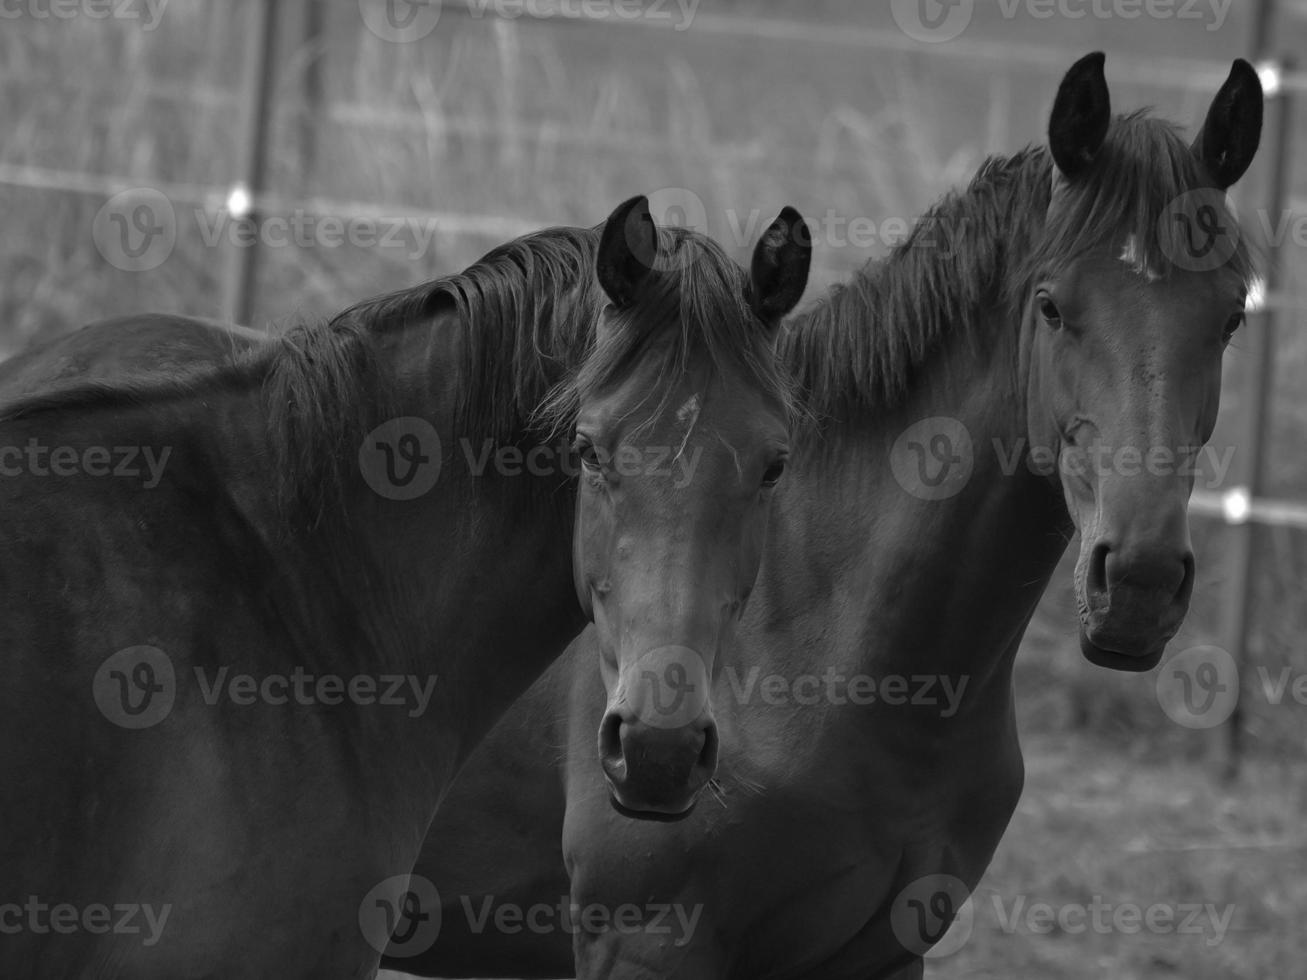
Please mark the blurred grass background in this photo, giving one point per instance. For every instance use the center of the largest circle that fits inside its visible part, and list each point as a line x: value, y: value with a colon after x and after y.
x: 523, y: 123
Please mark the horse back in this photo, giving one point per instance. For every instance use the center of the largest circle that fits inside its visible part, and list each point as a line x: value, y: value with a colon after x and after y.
x: 149, y: 346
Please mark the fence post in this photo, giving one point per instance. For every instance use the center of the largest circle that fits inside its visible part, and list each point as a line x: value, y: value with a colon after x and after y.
x: 1241, y: 586
x: 251, y: 155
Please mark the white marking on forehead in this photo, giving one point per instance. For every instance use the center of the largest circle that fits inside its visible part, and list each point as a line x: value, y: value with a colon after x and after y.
x: 688, y: 414
x: 1131, y: 257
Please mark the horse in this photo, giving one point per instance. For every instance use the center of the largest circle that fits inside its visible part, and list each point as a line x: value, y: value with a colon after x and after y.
x: 972, y: 393
x: 263, y: 594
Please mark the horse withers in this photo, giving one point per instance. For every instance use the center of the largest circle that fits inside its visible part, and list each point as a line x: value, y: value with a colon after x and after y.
x: 261, y: 596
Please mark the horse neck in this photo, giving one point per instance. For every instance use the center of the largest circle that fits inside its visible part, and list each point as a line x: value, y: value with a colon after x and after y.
x: 472, y: 580
x: 908, y: 586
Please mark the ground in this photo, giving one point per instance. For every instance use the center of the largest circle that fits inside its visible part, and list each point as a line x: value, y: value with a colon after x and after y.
x: 1222, y: 864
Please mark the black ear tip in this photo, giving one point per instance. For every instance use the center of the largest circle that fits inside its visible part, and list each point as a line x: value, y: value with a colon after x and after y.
x: 1242, y: 71
x: 1092, y: 63
x: 631, y: 205
x: 790, y: 215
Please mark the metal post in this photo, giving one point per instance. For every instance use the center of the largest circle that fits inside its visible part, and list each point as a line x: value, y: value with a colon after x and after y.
x: 252, y: 152
x: 314, y: 40
x: 1240, y: 591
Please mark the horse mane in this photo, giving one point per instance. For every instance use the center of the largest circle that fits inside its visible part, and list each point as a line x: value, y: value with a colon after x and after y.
x: 526, y: 309
x: 977, y: 252
x: 528, y: 312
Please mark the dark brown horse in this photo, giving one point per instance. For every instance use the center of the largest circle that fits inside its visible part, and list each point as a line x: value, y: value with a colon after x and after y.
x: 262, y: 596
x: 1056, y: 368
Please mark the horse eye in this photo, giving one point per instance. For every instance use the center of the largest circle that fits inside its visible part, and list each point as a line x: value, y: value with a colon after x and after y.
x: 774, y: 473
x: 1231, y: 325
x: 1048, y: 310
x: 586, y: 450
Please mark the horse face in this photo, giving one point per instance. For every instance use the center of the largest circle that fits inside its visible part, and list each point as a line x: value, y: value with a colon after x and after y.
x: 1126, y: 372
x: 672, y: 509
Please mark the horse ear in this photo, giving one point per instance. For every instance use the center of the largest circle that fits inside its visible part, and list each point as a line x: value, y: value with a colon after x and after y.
x: 779, y: 273
x: 627, y: 250
x: 1229, y: 137
x: 1080, y: 117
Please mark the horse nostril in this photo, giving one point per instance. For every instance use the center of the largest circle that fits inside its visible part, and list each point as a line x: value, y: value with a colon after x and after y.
x: 1186, y: 588
x: 610, y: 738
x: 1096, y: 580
x: 708, y: 754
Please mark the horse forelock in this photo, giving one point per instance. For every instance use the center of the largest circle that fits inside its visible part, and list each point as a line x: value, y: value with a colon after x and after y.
x: 980, y: 249
x: 690, y: 314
